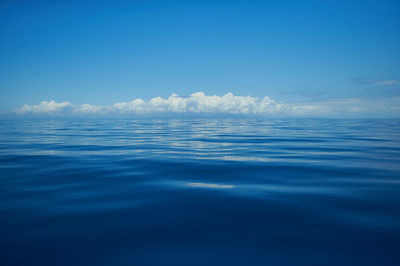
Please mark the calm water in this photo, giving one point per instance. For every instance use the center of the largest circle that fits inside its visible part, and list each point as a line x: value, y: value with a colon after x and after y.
x: 199, y: 192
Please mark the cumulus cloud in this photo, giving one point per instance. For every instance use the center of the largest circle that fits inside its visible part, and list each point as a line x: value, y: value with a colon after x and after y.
x: 196, y: 103
x: 199, y: 103
x: 45, y: 107
x: 227, y: 104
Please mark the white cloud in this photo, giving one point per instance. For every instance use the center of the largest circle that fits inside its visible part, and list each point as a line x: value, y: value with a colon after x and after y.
x: 382, y: 82
x: 199, y: 103
x: 227, y: 104
x: 45, y: 107
x: 388, y: 82
x: 206, y: 185
x: 196, y: 103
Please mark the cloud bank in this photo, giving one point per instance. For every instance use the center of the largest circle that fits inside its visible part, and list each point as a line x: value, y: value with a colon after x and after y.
x: 227, y: 104
x: 196, y: 103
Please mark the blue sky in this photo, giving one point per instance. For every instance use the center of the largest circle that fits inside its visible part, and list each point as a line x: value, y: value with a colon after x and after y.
x: 103, y: 52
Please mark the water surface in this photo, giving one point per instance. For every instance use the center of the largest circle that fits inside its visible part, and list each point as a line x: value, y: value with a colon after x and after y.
x: 242, y: 191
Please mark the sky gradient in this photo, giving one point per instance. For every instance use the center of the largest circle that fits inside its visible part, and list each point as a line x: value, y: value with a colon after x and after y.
x: 102, y: 53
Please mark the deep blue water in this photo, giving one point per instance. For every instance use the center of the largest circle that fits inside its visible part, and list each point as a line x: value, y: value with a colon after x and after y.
x: 243, y: 191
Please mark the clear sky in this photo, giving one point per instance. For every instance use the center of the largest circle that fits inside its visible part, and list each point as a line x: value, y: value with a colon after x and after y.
x: 103, y: 52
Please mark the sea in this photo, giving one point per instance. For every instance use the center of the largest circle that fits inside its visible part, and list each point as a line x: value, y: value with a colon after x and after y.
x: 199, y: 191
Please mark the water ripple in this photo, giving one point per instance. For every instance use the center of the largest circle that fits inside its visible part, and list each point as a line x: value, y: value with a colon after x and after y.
x: 151, y: 187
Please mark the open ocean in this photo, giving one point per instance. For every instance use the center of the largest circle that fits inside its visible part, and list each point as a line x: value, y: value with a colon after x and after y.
x: 198, y: 191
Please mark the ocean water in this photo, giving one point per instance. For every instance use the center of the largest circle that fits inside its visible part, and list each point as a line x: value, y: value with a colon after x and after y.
x: 198, y: 191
